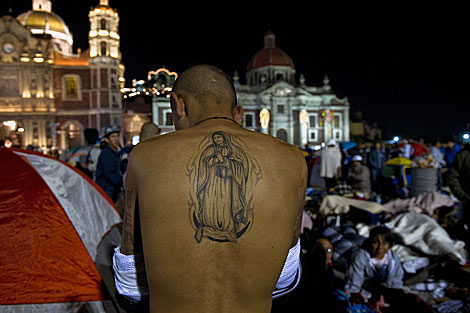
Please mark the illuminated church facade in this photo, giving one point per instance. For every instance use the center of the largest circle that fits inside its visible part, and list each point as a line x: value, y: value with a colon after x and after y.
x: 49, y: 94
x: 274, y: 103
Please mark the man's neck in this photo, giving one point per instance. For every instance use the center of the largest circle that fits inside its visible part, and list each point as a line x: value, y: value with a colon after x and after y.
x: 206, y: 115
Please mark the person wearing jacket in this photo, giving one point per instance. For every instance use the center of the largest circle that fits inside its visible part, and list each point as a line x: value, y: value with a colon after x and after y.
x: 375, y: 265
x: 108, y: 170
x: 359, y: 175
x: 376, y: 162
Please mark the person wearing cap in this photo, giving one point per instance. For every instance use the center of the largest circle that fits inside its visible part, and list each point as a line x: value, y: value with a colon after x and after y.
x: 108, y: 170
x: 359, y: 175
x: 330, y: 164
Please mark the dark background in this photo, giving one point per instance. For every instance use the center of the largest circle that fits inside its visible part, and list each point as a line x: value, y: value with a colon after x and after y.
x: 404, y: 67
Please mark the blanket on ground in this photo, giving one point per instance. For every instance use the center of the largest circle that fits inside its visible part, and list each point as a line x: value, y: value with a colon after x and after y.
x: 333, y: 204
x: 425, y: 234
x: 423, y: 203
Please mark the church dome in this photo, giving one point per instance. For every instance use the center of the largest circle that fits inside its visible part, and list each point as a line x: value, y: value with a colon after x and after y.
x: 270, y: 55
x: 41, y: 20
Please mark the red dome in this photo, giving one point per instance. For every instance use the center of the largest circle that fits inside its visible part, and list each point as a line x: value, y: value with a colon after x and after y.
x: 270, y: 55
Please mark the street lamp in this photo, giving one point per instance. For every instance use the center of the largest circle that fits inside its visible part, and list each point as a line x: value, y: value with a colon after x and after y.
x: 466, y: 136
x: 396, y: 139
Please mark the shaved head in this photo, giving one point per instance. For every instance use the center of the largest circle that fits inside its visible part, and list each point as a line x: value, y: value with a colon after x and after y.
x: 207, y: 85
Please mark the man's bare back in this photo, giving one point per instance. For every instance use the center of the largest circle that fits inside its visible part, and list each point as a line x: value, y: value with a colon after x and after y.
x: 220, y: 207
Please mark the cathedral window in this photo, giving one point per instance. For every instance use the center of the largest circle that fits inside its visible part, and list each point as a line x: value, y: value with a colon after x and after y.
x: 168, y: 119
x: 313, y: 136
x: 103, y: 24
x: 249, y: 117
x: 71, y: 87
x: 337, y: 122
x: 312, y: 119
x: 103, y: 48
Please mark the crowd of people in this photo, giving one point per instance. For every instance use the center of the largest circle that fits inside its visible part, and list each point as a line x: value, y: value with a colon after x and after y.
x: 373, y: 278
x: 362, y: 165
x: 347, y: 270
x: 104, y: 160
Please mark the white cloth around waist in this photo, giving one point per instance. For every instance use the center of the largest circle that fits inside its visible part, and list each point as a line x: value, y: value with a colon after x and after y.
x: 131, y: 281
x: 130, y: 277
x: 290, y: 274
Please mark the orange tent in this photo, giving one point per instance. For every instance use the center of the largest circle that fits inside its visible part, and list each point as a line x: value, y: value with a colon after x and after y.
x: 52, y: 219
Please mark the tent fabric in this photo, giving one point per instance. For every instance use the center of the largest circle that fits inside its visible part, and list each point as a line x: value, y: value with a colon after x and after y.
x: 52, y: 220
x: 91, y: 306
x: 76, y: 196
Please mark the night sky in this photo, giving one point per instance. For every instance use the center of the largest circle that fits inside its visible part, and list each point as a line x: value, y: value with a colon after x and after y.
x: 404, y: 67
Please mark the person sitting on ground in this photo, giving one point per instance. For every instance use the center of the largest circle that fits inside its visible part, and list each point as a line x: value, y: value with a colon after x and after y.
x: 201, y: 210
x: 359, y: 176
x: 375, y: 275
x: 375, y: 265
x: 322, y: 282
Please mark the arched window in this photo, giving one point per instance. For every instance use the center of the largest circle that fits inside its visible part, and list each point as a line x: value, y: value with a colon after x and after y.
x: 282, y: 134
x: 103, y: 47
x: 103, y: 24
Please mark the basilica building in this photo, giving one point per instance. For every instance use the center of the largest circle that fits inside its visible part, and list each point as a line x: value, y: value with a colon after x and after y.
x: 49, y: 94
x: 274, y: 102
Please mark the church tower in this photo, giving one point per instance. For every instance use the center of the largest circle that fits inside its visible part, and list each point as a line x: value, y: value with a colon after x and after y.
x: 105, y: 63
x: 104, y: 37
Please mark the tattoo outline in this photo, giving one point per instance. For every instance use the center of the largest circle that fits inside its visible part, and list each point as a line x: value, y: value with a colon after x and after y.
x: 222, y: 177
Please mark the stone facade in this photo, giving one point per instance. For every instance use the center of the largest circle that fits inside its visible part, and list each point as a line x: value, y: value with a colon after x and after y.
x: 290, y: 110
x: 48, y: 94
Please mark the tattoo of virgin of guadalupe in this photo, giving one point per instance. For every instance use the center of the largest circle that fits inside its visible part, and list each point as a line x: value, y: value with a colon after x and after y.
x: 222, y: 177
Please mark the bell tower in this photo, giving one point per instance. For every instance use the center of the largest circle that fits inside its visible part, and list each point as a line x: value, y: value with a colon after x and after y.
x: 107, y: 72
x: 104, y: 35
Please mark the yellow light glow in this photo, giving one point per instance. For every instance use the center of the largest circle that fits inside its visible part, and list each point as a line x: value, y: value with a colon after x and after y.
x: 38, y: 59
x: 303, y: 117
x: 21, y: 130
x: 161, y: 70
x: 11, y: 124
x: 26, y: 94
x: 25, y: 59
x: 93, y: 33
x: 103, y: 33
x: 264, y: 118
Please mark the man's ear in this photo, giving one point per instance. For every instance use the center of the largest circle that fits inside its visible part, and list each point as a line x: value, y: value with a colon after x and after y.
x: 237, y: 113
x: 178, y: 105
